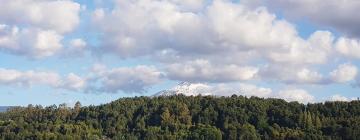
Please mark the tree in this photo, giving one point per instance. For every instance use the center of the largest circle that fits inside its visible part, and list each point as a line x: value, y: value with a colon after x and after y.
x: 206, y: 132
x: 165, y: 117
x: 248, y: 132
x: 184, y: 115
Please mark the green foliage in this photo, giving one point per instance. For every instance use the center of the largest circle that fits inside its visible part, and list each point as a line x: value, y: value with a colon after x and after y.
x: 181, y: 117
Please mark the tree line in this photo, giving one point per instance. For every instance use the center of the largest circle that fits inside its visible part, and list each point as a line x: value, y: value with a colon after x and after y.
x: 183, y: 117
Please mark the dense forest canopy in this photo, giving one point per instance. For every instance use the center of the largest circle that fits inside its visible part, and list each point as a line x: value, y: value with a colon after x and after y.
x: 183, y: 117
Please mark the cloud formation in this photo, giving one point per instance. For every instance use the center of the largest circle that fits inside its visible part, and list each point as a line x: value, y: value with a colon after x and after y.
x: 127, y: 79
x: 340, y: 17
x: 34, y: 43
x: 344, y: 73
x: 299, y: 95
x: 208, y: 43
x: 203, y: 70
x: 338, y: 97
x: 61, y: 16
x: 218, y: 42
x: 349, y: 47
x: 17, y: 78
x: 36, y: 28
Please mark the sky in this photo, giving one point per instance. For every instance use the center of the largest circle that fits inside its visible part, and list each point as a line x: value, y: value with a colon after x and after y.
x: 96, y: 51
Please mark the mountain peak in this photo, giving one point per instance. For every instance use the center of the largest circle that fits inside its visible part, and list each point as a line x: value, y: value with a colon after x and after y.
x: 188, y: 89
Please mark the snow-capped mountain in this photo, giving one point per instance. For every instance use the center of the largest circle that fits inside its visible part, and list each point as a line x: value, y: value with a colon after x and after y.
x: 188, y: 89
x: 194, y: 89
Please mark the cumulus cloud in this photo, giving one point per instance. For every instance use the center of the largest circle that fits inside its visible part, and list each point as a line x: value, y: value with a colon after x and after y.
x: 77, y: 47
x: 216, y: 41
x: 299, y: 95
x: 186, y: 27
x: 209, y: 44
x: 202, y: 70
x: 60, y: 16
x: 74, y: 82
x: 344, y: 73
x: 127, y: 79
x: 34, y: 78
x: 340, y: 17
x: 338, y: 97
x: 34, y: 43
x: 37, y: 43
x: 36, y: 28
x: 163, y: 26
x: 252, y: 90
x: 348, y: 47
x: 290, y: 74
x: 302, y: 75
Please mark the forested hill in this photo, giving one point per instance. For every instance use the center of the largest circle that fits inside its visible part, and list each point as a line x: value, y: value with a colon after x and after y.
x: 182, y: 117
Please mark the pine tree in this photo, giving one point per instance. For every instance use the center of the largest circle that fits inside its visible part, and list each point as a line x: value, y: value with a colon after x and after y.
x: 184, y: 115
x: 165, y: 117
x: 317, y: 122
x: 308, y: 120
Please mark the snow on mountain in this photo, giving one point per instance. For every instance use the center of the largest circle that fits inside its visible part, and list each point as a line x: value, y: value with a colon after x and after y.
x: 194, y: 89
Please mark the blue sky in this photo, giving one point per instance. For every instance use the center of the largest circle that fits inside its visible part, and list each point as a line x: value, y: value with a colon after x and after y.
x: 96, y: 51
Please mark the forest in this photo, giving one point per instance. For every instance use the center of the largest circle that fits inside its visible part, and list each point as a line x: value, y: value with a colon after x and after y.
x: 185, y: 118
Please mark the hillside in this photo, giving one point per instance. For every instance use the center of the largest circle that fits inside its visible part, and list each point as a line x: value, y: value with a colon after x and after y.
x: 186, y: 117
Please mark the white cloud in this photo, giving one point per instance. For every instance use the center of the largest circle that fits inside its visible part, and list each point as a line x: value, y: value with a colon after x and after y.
x: 127, y: 79
x: 219, y: 42
x: 340, y: 17
x: 8, y: 76
x: 344, y: 73
x: 61, y: 16
x: 299, y: 95
x: 348, y: 47
x: 35, y: 28
x: 315, y: 50
x: 202, y: 70
x: 77, y: 47
x: 216, y: 41
x: 252, y: 90
x: 78, y: 44
x: 193, y: 5
x: 74, y: 82
x: 34, y: 43
x: 301, y: 75
x: 28, y: 78
x: 158, y: 26
x: 291, y: 74
x: 338, y: 97
x: 31, y: 78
